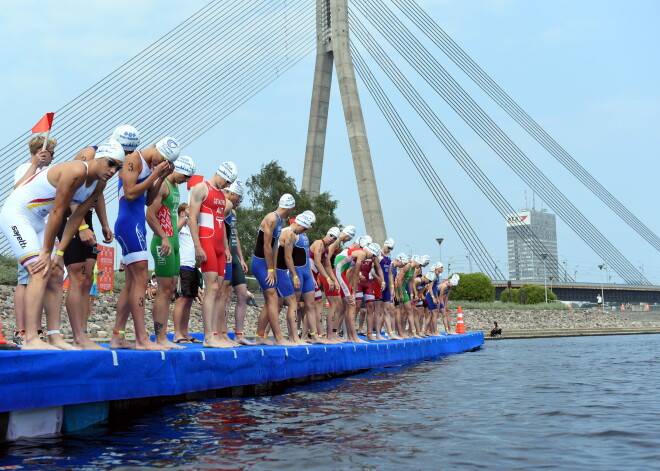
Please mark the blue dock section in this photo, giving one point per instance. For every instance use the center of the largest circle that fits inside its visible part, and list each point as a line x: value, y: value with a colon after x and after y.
x: 41, y: 379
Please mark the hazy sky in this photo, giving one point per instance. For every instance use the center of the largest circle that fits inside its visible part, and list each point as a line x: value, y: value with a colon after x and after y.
x: 586, y: 70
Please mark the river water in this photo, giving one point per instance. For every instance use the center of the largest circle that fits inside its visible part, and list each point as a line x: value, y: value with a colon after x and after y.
x: 560, y: 403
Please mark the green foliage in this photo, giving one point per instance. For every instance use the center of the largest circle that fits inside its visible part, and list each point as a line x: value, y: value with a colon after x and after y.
x: 263, y: 196
x: 473, y: 287
x: 515, y: 296
x: 535, y: 294
x: 8, y: 270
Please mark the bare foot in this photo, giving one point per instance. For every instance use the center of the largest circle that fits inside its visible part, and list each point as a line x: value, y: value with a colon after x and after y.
x: 168, y: 344
x: 300, y: 342
x: 56, y: 341
x: 150, y: 346
x: 118, y: 342
x: 358, y: 340
x: 211, y: 342
x: 242, y: 340
x: 370, y: 337
x: 262, y: 341
x: 87, y: 344
x: 285, y: 343
x: 395, y: 337
x: 37, y: 344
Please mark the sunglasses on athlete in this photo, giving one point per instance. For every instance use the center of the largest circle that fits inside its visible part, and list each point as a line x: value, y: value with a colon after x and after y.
x: 113, y: 164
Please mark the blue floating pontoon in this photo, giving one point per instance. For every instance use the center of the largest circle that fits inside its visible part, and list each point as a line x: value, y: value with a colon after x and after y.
x: 44, y: 379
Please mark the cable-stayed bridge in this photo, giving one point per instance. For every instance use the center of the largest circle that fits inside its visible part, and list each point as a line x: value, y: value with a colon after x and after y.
x: 228, y: 52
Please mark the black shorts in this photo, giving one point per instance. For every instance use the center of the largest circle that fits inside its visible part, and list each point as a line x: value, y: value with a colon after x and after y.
x: 189, y: 283
x: 237, y: 273
x: 77, y: 251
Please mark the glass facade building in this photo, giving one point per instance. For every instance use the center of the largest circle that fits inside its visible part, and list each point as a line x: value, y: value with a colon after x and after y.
x: 524, y: 264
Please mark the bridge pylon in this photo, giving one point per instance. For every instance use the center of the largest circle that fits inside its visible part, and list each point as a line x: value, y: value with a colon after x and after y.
x: 333, y: 49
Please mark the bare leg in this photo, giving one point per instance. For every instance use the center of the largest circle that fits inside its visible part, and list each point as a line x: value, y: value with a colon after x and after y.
x: 239, y: 314
x: 35, y: 294
x: 123, y: 310
x: 223, y: 301
x: 19, y: 307
x: 182, y: 317
x: 312, y: 319
x: 209, y: 317
x: 161, y: 311
x: 291, y: 321
x: 136, y: 299
x: 270, y: 315
x: 81, y: 277
x: 351, y: 332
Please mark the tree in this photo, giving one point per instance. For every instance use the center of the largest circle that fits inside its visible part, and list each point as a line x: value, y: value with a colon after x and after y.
x: 263, y: 196
x: 473, y: 287
x: 536, y: 294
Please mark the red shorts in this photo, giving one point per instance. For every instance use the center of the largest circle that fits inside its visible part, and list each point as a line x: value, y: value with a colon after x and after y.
x: 365, y: 289
x: 326, y: 288
x: 215, y: 256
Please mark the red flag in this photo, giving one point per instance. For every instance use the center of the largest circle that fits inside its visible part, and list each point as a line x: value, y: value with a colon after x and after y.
x: 44, y: 123
x: 194, y: 180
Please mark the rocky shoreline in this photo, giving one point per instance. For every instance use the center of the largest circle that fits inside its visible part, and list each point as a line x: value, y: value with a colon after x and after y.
x: 101, y: 324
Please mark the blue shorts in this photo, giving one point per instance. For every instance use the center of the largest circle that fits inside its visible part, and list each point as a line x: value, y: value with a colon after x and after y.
x: 259, y: 269
x: 386, y: 295
x: 306, y: 280
x: 284, y: 283
x: 429, y: 301
x: 132, y: 239
x: 23, y: 275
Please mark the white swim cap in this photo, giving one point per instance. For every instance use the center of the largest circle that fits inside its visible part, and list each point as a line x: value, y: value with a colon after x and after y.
x: 364, y: 241
x: 237, y: 187
x: 287, y: 201
x: 110, y: 149
x: 311, y: 215
x: 403, y: 258
x: 438, y: 266
x: 185, y: 166
x: 169, y: 148
x: 333, y: 231
x: 416, y: 259
x: 349, y: 231
x: 425, y: 259
x: 454, y: 279
x: 373, y: 247
x: 304, y: 220
x: 127, y: 136
x: 389, y: 242
x: 430, y: 276
x: 228, y: 171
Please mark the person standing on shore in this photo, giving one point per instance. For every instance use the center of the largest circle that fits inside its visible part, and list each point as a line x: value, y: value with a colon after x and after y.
x: 140, y: 181
x: 23, y: 222
x: 164, y: 222
x: 39, y: 158
x: 263, y: 265
x: 208, y: 209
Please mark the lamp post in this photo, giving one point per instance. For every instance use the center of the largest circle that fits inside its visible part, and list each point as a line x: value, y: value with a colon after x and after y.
x: 602, y: 291
x: 545, y: 278
x: 439, y: 241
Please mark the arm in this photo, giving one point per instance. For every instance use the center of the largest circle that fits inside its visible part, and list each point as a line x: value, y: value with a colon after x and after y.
x: 102, y: 216
x: 333, y: 282
x: 198, y: 196
x: 239, y: 250
x: 379, y: 271
x: 35, y: 160
x: 355, y: 270
x: 87, y: 154
x: 162, y: 170
x: 228, y: 208
x: 129, y: 175
x: 286, y: 241
x: 154, y: 224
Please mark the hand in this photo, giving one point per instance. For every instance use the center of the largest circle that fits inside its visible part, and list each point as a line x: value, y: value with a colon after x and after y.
x: 108, y: 235
x: 57, y: 263
x: 316, y: 284
x: 228, y: 256
x: 362, y: 278
x: 332, y: 285
x: 382, y: 285
x: 41, y: 157
x: 244, y: 266
x: 200, y: 255
x: 87, y: 237
x: 165, y: 247
x: 296, y: 283
x: 162, y: 170
x: 351, y: 300
x: 271, y: 278
x: 42, y: 261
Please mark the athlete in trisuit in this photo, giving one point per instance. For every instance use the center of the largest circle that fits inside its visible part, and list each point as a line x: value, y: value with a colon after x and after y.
x: 81, y: 254
x: 385, y: 307
x: 336, y: 310
x: 347, y: 274
x: 164, y: 222
x: 443, y: 296
x: 326, y: 280
x: 263, y: 265
x: 208, y: 209
x: 50, y: 192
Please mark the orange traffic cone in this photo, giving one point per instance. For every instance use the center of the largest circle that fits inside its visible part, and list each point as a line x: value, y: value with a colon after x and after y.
x: 623, y: 307
x: 460, y: 326
x: 327, y: 303
x: 648, y: 308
